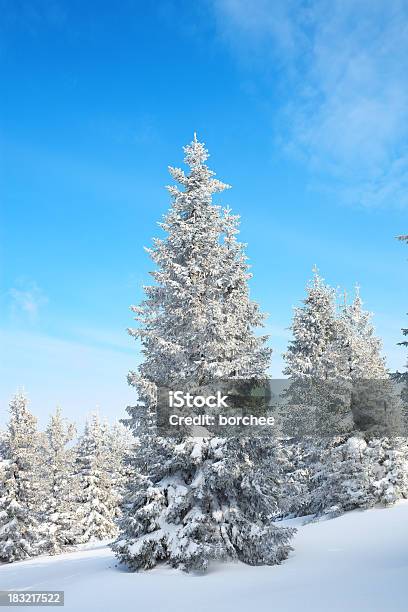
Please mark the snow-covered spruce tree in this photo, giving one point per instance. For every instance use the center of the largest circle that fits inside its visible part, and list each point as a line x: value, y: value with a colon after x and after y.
x: 120, y: 442
x: 23, y: 447
x: 97, y: 498
x: 314, y: 329
x: 388, y: 467
x: 60, y: 503
x: 313, y: 366
x: 19, y: 490
x: 19, y: 528
x: 198, y: 499
x: 3, y: 444
x: 357, y: 346
x: 361, y: 467
x: 374, y: 403
x: 305, y: 417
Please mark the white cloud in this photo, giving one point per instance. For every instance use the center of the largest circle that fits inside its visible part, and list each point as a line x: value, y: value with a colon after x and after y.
x: 73, y: 374
x: 342, y: 70
x: 263, y: 19
x: 27, y: 299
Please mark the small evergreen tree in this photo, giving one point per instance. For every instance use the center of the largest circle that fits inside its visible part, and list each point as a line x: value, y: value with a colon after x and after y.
x: 345, y: 476
x: 19, y: 491
x: 314, y: 328
x: 340, y: 386
x: 3, y: 444
x: 120, y: 445
x: 60, y: 506
x: 387, y: 462
x: 23, y: 442
x: 306, y: 417
x: 97, y: 498
x: 18, y: 527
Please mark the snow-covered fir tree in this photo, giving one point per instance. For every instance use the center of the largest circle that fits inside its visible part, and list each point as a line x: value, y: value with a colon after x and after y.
x: 3, y: 443
x: 375, y: 403
x: 313, y: 329
x: 305, y: 417
x: 22, y: 447
x: 358, y: 348
x: 97, y: 497
x: 314, y: 364
x: 198, y: 499
x: 19, y: 529
x: 344, y: 471
x: 60, y: 503
x: 377, y: 413
x: 121, y: 443
x: 19, y: 490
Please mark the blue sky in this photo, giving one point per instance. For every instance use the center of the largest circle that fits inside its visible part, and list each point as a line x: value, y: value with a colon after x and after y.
x: 303, y: 106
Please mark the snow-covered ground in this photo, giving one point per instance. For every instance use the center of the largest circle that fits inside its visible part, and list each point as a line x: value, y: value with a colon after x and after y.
x: 357, y: 562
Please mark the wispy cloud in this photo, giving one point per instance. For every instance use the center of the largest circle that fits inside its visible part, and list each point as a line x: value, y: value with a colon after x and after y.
x: 341, y: 69
x: 76, y: 375
x: 26, y: 299
x: 118, y: 340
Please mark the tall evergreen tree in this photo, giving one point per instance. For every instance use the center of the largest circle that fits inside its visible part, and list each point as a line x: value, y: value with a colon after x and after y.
x: 194, y: 500
x: 97, y: 497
